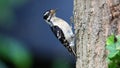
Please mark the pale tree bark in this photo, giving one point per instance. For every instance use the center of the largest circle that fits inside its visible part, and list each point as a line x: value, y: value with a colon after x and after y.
x: 94, y: 21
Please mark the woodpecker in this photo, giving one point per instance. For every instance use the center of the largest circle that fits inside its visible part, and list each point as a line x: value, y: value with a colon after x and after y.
x: 61, y: 29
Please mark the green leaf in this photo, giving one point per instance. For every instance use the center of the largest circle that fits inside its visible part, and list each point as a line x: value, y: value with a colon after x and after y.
x: 110, y: 40
x: 108, y: 60
x: 118, y: 38
x: 111, y: 48
x: 112, y: 65
x: 113, y: 45
x: 113, y: 54
x: 119, y: 53
x: 118, y: 46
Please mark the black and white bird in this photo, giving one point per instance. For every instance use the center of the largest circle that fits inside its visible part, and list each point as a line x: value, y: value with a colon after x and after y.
x: 61, y: 29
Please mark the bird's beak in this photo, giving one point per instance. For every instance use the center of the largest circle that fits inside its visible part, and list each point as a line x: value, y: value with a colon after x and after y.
x: 53, y: 11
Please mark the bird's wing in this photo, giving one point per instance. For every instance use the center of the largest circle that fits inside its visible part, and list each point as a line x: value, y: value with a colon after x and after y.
x: 59, y: 34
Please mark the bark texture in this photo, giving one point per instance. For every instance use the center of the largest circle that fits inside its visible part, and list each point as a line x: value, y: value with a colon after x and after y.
x: 94, y: 21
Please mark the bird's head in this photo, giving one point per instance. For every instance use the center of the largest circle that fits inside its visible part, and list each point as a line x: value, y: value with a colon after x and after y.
x: 49, y: 14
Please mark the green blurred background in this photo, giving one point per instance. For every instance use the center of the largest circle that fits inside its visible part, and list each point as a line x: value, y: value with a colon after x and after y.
x: 26, y: 40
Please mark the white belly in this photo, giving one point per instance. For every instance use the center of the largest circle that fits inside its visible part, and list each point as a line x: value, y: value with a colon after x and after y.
x: 65, y: 28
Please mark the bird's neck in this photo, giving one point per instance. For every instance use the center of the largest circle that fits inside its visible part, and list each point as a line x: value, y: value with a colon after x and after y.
x: 51, y: 20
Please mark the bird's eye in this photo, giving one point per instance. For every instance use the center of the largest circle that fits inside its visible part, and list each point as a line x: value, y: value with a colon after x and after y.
x: 46, y: 15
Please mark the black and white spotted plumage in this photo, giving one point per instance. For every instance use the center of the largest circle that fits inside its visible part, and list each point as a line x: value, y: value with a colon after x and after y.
x: 61, y: 29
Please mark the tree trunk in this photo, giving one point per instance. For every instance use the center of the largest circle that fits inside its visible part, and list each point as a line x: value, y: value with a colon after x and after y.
x: 94, y: 21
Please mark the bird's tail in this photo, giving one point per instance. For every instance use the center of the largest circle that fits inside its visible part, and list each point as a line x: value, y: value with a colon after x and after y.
x: 71, y: 49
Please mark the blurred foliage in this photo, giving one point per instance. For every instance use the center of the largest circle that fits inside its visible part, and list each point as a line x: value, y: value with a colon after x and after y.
x: 113, y: 46
x: 7, y: 15
x: 13, y: 51
x: 60, y: 63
